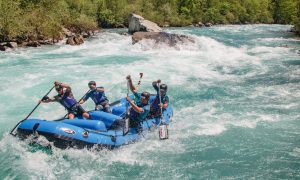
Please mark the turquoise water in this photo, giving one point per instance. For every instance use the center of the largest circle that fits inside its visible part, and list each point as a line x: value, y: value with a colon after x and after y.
x: 235, y: 93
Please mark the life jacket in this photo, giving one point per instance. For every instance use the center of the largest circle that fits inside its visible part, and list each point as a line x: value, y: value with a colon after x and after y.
x: 135, y: 115
x: 67, y: 100
x: 98, y: 97
x: 154, y: 104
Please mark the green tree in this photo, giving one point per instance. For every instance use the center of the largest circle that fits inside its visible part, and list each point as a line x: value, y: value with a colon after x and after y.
x: 44, y: 19
x: 11, y: 22
x: 297, y: 19
x: 284, y: 11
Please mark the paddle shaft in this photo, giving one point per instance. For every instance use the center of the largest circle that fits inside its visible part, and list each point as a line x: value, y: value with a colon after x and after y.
x: 139, y: 82
x: 159, y: 96
x: 164, y: 126
x: 11, y: 132
x: 127, y: 113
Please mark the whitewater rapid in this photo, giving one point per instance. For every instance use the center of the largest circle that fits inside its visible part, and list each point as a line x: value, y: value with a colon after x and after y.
x: 235, y: 93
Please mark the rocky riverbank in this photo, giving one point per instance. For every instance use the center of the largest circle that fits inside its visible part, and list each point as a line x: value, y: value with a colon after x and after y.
x: 138, y: 27
x: 136, y: 24
x: 70, y: 37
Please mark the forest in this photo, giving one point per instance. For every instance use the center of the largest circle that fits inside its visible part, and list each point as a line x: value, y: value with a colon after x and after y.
x: 41, y: 19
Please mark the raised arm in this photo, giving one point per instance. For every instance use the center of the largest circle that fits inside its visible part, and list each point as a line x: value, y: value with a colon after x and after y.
x: 134, y: 106
x: 155, y: 84
x: 131, y: 86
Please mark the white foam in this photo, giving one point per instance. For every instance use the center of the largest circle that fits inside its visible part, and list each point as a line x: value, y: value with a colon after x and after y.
x: 210, y: 129
x: 295, y: 152
x: 103, y: 44
x: 274, y: 51
x: 277, y: 39
x: 37, y: 164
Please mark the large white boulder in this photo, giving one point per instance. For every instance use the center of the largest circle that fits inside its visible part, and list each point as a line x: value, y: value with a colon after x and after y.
x: 138, y: 23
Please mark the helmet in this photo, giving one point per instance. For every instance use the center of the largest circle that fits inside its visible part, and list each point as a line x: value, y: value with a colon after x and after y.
x: 163, y: 87
x: 92, y: 83
x: 146, y: 95
x: 58, y: 88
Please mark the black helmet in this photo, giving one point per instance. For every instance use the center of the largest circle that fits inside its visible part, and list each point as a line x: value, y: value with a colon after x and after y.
x: 58, y: 88
x: 145, y: 94
x: 92, y: 83
x: 163, y: 87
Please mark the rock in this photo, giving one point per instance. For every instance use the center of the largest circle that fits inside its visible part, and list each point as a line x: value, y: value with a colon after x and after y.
x: 200, y: 24
x: 208, y: 24
x: 97, y: 31
x: 33, y: 44
x: 3, y: 48
x: 85, y: 35
x: 138, y: 23
x: 120, y: 26
x: 67, y: 32
x: 78, y: 39
x: 61, y: 36
x: 75, y: 40
x: 161, y: 37
x: 12, y: 44
x: 46, y: 42
x: 166, y: 25
x: 123, y: 33
x: 92, y: 33
x: 70, y: 41
x: 22, y: 44
x: 41, y: 37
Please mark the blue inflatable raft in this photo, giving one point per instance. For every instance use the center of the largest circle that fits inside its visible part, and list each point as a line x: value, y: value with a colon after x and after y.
x: 108, y: 130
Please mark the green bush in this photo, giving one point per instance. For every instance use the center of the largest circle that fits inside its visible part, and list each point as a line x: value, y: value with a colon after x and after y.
x: 81, y: 24
x: 36, y: 19
x: 11, y: 21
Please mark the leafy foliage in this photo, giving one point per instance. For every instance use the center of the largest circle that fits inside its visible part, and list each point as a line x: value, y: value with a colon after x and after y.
x: 36, y: 19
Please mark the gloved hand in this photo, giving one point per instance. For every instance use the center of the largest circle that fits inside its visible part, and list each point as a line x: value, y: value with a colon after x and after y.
x: 45, y: 98
x: 161, y: 105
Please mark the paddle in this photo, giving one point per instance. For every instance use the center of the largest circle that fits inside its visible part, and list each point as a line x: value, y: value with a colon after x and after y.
x: 139, y: 82
x: 44, y: 97
x: 137, y: 87
x: 163, y: 128
x: 126, y: 123
x: 77, y: 102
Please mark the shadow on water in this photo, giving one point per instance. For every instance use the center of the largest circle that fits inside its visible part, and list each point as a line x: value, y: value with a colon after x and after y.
x: 292, y: 62
x: 35, y: 147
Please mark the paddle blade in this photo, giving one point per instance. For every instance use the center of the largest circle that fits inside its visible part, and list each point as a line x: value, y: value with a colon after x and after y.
x: 126, y: 127
x: 163, y: 132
